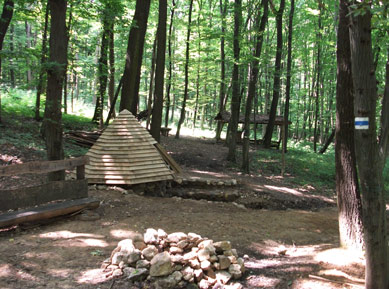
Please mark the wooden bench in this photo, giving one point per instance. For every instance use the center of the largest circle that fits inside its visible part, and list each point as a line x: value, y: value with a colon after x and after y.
x: 65, y: 191
x: 165, y: 131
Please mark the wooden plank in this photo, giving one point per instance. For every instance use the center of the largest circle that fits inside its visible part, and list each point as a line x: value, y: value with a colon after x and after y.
x: 134, y: 167
x: 129, y: 181
x: 47, y: 211
x: 126, y: 176
x: 39, y: 167
x: 35, y: 195
x: 121, y: 153
x: 107, y: 160
x: 167, y: 158
x: 123, y: 163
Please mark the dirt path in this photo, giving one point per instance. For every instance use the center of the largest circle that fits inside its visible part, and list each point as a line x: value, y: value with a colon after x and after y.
x: 287, y: 248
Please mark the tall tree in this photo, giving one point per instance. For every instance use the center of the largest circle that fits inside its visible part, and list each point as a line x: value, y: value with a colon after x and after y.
x: 131, y: 76
x: 277, y: 75
x: 235, y: 98
x: 222, y: 91
x: 347, y: 187
x: 159, y: 71
x: 42, y: 72
x: 169, y: 82
x: 288, y: 78
x: 182, y: 114
x: 56, y: 71
x: 260, y: 29
x: 5, y: 20
x: 371, y: 155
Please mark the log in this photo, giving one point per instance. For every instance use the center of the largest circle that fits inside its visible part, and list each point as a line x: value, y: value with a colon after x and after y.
x: 48, y: 211
x: 40, y: 167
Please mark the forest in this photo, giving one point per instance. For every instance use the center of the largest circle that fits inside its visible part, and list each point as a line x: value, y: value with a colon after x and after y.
x: 267, y: 84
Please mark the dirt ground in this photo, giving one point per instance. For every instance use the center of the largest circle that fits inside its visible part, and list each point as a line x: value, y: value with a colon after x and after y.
x: 289, y: 233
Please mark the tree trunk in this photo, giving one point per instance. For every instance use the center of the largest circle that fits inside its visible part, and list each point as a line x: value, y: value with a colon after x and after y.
x: 56, y: 72
x: 318, y: 65
x: 277, y: 78
x: 5, y: 20
x: 370, y: 160
x: 111, y: 84
x: 159, y: 71
x: 65, y: 80
x: 182, y: 115
x: 223, y: 11
x: 288, y: 78
x: 42, y: 72
x: 28, y: 46
x: 169, y: 82
x: 347, y: 188
x: 235, y: 98
x: 151, y: 86
x: 131, y: 76
x: 260, y: 28
x: 11, y: 48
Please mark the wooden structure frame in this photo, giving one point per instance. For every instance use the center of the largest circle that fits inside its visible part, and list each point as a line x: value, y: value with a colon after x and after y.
x: 67, y: 191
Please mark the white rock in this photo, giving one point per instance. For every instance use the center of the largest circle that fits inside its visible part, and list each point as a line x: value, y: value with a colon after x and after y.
x: 235, y: 271
x: 194, y: 263
x: 162, y: 234
x: 192, y: 237
x: 151, y: 236
x: 187, y: 273
x: 223, y: 276
x: 150, y: 252
x: 175, y: 250
x: 176, y: 237
x: 205, y: 265
x: 126, y: 246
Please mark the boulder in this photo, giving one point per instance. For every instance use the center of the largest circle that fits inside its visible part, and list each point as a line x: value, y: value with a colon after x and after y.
x: 161, y: 265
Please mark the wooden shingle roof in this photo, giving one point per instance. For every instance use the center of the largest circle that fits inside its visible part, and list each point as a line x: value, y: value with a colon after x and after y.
x: 125, y: 153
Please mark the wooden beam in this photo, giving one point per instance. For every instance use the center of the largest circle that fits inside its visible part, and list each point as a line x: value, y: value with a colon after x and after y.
x: 35, y: 195
x: 167, y: 158
x: 39, y: 167
x: 47, y: 211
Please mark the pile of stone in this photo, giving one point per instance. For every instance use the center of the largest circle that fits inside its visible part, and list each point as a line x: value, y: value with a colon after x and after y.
x: 177, y: 260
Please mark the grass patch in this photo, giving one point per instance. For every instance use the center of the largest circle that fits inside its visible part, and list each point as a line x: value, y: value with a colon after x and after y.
x: 302, y: 164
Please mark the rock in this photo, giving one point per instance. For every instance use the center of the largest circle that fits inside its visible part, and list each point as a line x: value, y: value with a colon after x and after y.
x: 143, y: 264
x: 117, y: 273
x: 224, y: 262
x: 192, y: 286
x: 140, y: 245
x: 234, y: 286
x: 175, y: 250
x: 235, y: 271
x: 182, y: 244
x: 198, y: 274
x: 203, y: 254
x: 190, y: 255
x: 234, y: 182
x: 204, y: 244
x: 161, y: 265
x: 177, y: 275
x: 187, y: 273
x: 194, y: 238
x: 126, y: 246
x: 149, y: 252
x: 205, y: 265
x: 176, y: 237
x: 122, y: 264
x: 210, y: 274
x: 177, y: 258
x: 136, y: 237
x: 223, y: 276
x: 151, y: 236
x: 167, y: 282
x: 133, y: 256
x: 194, y: 263
x: 240, y: 262
x: 138, y: 274
x: 117, y: 258
x: 213, y: 259
x: 162, y: 234
x: 232, y: 259
x: 222, y: 246
x: 234, y: 253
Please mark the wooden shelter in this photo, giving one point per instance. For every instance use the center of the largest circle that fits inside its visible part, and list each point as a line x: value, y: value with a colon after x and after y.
x: 127, y: 154
x: 225, y: 117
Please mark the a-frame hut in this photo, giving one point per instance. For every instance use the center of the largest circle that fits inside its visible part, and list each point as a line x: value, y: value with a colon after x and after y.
x: 126, y: 154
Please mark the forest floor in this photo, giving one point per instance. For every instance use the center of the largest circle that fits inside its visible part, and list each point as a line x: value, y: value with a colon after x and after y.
x: 289, y: 232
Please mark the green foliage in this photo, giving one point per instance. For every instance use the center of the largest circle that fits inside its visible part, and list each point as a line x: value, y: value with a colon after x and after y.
x: 303, y: 166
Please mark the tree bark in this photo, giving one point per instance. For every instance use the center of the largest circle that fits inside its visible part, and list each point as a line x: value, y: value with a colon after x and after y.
x: 111, y: 84
x: 318, y: 79
x: 42, y: 72
x: 169, y: 83
x: 347, y: 187
x: 56, y: 72
x: 235, y: 98
x: 259, y: 30
x: 182, y: 115
x: 159, y: 71
x: 151, y: 86
x: 277, y: 78
x: 5, y: 20
x: 288, y: 78
x: 370, y: 161
x: 131, y: 76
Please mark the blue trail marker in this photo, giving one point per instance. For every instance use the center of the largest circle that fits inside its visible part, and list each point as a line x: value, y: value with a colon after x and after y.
x: 361, y: 123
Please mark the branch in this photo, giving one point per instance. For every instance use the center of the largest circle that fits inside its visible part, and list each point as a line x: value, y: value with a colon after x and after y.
x: 273, y: 8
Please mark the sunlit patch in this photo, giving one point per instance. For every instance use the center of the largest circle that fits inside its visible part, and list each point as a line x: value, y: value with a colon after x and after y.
x: 316, y: 284
x: 284, y: 190
x: 261, y: 281
x: 6, y: 270
x: 78, y: 242
x: 67, y: 235
x: 122, y: 234
x: 340, y: 275
x: 93, y: 276
x: 340, y: 257
x: 59, y: 273
x: 42, y: 255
